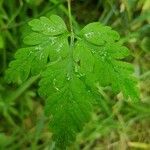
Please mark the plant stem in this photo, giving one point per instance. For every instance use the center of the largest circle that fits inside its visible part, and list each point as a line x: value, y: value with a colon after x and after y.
x: 70, y: 16
x: 71, y: 40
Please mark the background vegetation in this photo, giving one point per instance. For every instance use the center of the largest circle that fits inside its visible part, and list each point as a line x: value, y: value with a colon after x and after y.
x: 116, y: 124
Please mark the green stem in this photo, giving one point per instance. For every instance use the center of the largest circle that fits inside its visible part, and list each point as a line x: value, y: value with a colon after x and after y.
x: 71, y: 39
x: 70, y: 16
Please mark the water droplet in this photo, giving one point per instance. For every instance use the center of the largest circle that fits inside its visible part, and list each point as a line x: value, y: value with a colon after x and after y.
x: 50, y: 29
x: 89, y: 35
x: 80, y: 75
x: 41, y: 56
x: 93, y: 52
x: 57, y: 88
x: 89, y: 91
x: 31, y: 52
x: 52, y: 40
x: 76, y: 68
x: 105, y: 54
x: 59, y: 47
x: 54, y: 83
x: 38, y: 47
x: 68, y: 78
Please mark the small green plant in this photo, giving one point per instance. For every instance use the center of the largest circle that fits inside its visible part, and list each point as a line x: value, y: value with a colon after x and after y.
x: 71, y: 66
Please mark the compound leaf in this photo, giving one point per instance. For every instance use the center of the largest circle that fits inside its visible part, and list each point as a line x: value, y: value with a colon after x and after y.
x: 69, y: 72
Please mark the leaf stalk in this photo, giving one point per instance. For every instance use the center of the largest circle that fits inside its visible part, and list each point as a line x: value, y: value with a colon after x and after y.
x: 71, y: 40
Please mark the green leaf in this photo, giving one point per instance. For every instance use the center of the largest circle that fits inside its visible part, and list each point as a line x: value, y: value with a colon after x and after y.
x: 68, y: 103
x: 45, y: 42
x: 53, y: 25
x: 98, y: 34
x: 69, y: 73
x: 101, y: 46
